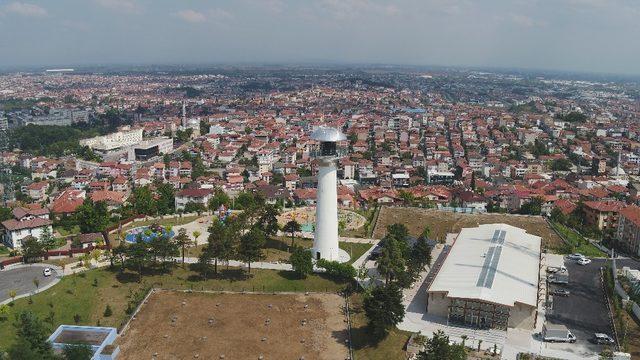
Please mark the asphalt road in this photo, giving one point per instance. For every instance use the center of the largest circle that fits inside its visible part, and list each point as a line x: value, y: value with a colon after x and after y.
x: 21, y: 280
x: 584, y: 311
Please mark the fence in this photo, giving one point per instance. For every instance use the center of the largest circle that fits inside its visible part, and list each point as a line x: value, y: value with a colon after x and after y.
x: 53, y: 253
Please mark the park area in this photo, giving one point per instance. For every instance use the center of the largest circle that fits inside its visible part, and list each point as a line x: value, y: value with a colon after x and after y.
x: 442, y: 222
x: 82, y: 298
x: 182, y: 325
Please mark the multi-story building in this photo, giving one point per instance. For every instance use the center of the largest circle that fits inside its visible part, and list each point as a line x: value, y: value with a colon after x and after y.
x: 602, y: 214
x: 628, y: 233
x: 124, y: 138
x: 25, y: 223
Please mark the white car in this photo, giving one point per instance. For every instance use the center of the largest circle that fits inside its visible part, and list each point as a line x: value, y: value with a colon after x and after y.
x: 576, y: 256
x: 584, y: 261
x: 47, y: 272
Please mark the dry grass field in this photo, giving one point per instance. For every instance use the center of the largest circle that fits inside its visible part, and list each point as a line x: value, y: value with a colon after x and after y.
x: 180, y: 325
x: 443, y: 222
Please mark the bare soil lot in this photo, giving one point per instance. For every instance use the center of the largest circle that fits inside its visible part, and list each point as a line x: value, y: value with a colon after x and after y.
x: 443, y: 222
x: 179, y: 325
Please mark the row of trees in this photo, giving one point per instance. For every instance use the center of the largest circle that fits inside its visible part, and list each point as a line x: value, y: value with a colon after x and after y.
x: 241, y: 237
x: 400, y: 264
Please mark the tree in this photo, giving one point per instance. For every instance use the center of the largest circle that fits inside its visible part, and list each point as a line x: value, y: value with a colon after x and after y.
x: 218, y: 199
x: 533, y: 207
x: 384, y: 308
x: 143, y: 202
x: 92, y: 217
x: 164, y: 248
x: 194, y: 207
x: 166, y: 202
x: 426, y: 232
x: 138, y: 254
x: 107, y: 311
x: 4, y: 312
x: 557, y: 215
x: 47, y: 240
x: 391, y: 262
x: 292, y: 227
x: 250, y: 247
x: 197, y: 167
x: 196, y: 234
x: 221, y: 242
x: 561, y: 165
x: 268, y: 219
x: 301, y: 261
x: 32, y: 249
x: 12, y: 294
x: 438, y: 348
x: 77, y: 352
x: 5, y: 213
x: 398, y: 231
x: 31, y: 332
x: 182, y: 240
x: 420, y: 254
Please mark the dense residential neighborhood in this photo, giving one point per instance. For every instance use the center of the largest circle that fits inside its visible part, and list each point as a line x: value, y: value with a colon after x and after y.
x: 157, y: 177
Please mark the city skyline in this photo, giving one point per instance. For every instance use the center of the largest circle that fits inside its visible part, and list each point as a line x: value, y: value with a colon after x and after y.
x: 571, y: 35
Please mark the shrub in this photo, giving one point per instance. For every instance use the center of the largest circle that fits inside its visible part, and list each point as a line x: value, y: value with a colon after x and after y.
x: 107, y: 311
x: 337, y: 270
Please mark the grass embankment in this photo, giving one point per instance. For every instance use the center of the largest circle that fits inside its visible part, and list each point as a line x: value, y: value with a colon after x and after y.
x: 577, y: 243
x: 77, y: 295
x: 364, y: 345
x: 627, y: 326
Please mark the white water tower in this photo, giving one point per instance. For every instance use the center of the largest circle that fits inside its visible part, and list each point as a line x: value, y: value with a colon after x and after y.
x: 325, y: 241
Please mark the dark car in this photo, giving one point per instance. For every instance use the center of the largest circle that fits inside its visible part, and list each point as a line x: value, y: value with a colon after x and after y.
x: 602, y: 339
x: 560, y: 292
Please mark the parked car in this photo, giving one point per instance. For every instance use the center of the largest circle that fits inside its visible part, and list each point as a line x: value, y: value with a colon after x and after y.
x: 584, y: 261
x: 557, y: 333
x: 558, y: 278
x: 47, y: 272
x: 559, y: 292
x: 556, y: 269
x: 576, y: 256
x: 600, y: 338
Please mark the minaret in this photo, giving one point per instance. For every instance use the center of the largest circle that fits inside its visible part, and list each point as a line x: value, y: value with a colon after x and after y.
x: 325, y: 241
x: 184, y: 114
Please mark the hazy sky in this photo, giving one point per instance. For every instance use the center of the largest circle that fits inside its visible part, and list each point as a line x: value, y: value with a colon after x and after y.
x: 580, y: 35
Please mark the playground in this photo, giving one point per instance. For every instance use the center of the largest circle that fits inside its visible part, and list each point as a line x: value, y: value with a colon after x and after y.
x: 182, y: 325
x: 306, y: 217
x: 148, y: 233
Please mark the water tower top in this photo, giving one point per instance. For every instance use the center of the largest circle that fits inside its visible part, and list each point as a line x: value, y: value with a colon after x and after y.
x: 328, y: 134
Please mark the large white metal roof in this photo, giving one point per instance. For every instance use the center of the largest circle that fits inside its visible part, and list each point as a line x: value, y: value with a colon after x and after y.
x: 328, y: 134
x: 497, y: 263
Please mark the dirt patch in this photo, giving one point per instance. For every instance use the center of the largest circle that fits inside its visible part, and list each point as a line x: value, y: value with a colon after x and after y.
x: 443, y: 222
x: 177, y: 325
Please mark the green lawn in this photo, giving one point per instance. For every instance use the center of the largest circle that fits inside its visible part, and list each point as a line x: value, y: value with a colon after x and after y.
x: 76, y: 294
x: 63, y: 232
x: 391, y: 347
x: 578, y: 243
x: 4, y: 250
x: 355, y: 250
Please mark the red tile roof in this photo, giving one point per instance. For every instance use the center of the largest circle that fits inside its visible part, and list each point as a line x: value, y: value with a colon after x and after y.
x: 631, y: 213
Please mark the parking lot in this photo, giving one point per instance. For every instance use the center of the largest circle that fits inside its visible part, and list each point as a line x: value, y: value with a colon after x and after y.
x: 20, y: 280
x: 585, y: 310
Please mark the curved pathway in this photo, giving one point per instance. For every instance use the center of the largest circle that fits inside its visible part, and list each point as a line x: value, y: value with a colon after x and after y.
x: 20, y: 278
